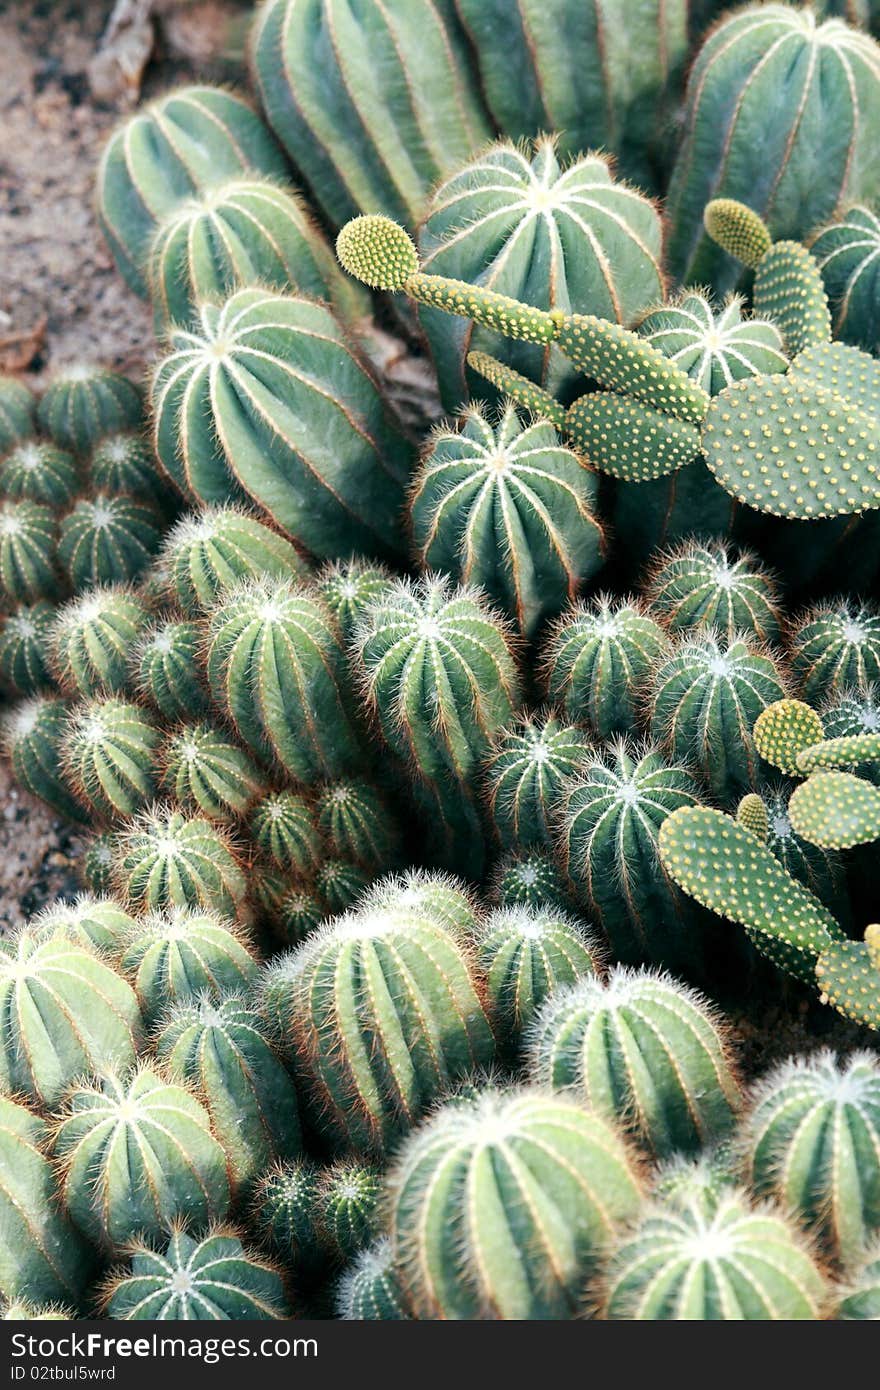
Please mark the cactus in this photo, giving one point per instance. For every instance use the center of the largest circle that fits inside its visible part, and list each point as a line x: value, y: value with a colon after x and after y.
x: 525, y: 775
x: 609, y: 826
x: 369, y: 1290
x: 220, y: 1049
x: 555, y: 1184
x: 39, y: 472
x: 276, y: 666
x: 644, y: 1052
x: 714, y: 348
x: 712, y: 586
x: 836, y: 648
x: 24, y: 647
x: 853, y: 713
x: 373, y: 107
x: 811, y: 1139
x: 348, y: 587
x: 213, y: 1279
x: 598, y: 662
x: 31, y: 1312
x: 706, y: 698
x: 211, y: 550
x: 733, y: 1263
x: 527, y: 954
x: 96, y: 868
x: 205, y: 770
x: 819, y: 870
x: 65, y: 1012
x: 729, y: 150
x: 174, y: 1166
x: 85, y: 402
x: 298, y: 913
x: 339, y: 884
x: 34, y: 734
x: 357, y: 824
x: 93, y: 637
x: 41, y: 1256
x: 846, y: 254
x: 283, y: 827
x: 860, y: 1295
x: 836, y: 810
x: 187, y: 140
x: 166, y: 669
x: 286, y: 414
x: 789, y: 290
x: 348, y: 1205
x: 783, y: 731
x: 18, y: 407
x: 514, y: 222
x: 167, y: 859
x: 284, y: 1210
x: 848, y: 977
x: 509, y: 508
x: 109, y: 757
x: 97, y: 923
x: 124, y: 463
x: 108, y: 540
x: 703, y: 1181
x: 28, y: 551
x: 530, y: 879
x: 752, y: 815
x: 175, y: 956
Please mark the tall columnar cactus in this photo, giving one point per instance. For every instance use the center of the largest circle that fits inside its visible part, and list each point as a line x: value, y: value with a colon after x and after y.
x: 349, y: 1207
x: 97, y: 923
x: 221, y: 1049
x: 525, y: 775
x: 284, y: 1210
x: 40, y: 472
x: 175, y: 1167
x: 705, y: 699
x: 276, y: 666
x: 166, y: 859
x: 265, y: 397
x: 811, y: 1139
x: 28, y: 551
x: 733, y: 1263
x: 645, y: 1052
x: 357, y: 824
x: 244, y: 232
x: 282, y: 826
x: 41, y: 1256
x: 24, y: 647
x: 187, y: 140
x: 108, y: 540
x: 846, y: 253
x: 210, y: 550
x: 166, y: 668
x: 531, y: 879
x: 348, y: 587
x: 555, y: 1184
x: 18, y: 408
x: 110, y: 757
x: 527, y: 954
x: 715, y: 347
x: 835, y: 648
x: 125, y: 463
x: 93, y: 639
x: 172, y: 957
x: 517, y: 223
x: 84, y: 402
x: 779, y: 165
x: 599, y: 660
x: 34, y: 734
x: 609, y: 827
x: 509, y: 508
x: 205, y: 770
x: 373, y: 106
x: 369, y: 1290
x: 65, y: 1012
x: 712, y: 586
x: 209, y: 1280
x: 860, y: 1301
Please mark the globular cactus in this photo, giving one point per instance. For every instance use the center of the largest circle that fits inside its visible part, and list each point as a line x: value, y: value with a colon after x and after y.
x: 93, y: 639
x: 339, y: 884
x: 348, y: 587
x: 284, y: 1211
x: 276, y: 666
x: 735, y: 1262
x: 84, y: 402
x: 175, y: 956
x: 705, y: 699
x: 860, y: 1294
x: 357, y: 823
x: 301, y: 427
x: 853, y: 713
x: 213, y: 1279
x: 40, y: 472
x: 836, y: 648
x: 42, y: 1258
x: 167, y: 859
x: 438, y: 897
x: 244, y: 232
x: 110, y: 757
x: 512, y: 1254
x: 65, y: 1013
x: 125, y: 463
x: 836, y: 810
x: 729, y: 151
x: 298, y: 913
x: 525, y: 775
x: 530, y: 879
x: 97, y: 923
x: 175, y: 1167
x: 96, y: 868
x: 211, y: 550
x: 609, y: 829
x: 682, y: 1182
x: 108, y: 540
x: 370, y: 1290
x: 715, y: 348
x: 819, y: 870
x: 24, y: 647
x: 283, y: 828
x: 32, y: 1312
x: 438, y: 674
x: 846, y: 253
x: 643, y: 1051
x: 187, y: 140
x: 811, y: 1139
x: 712, y: 586
x: 509, y: 508
x: 599, y: 660
x: 348, y: 1203
x: 205, y: 770
x: 526, y: 954
x: 220, y: 1048
x: 373, y: 107
x: 166, y: 668
x: 18, y: 408
x: 34, y: 734
x: 28, y: 552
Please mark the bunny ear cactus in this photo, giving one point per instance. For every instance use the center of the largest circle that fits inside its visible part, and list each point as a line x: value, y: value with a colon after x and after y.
x: 206, y: 771
x: 213, y: 549
x: 819, y: 870
x: 166, y: 669
x: 848, y: 976
x: 183, y: 953
x: 525, y: 775
x: 370, y: 1290
x: 34, y: 736
x: 526, y: 954
x: 784, y: 730
x: 713, y: 586
x: 18, y: 409
x: 110, y: 757
x: 349, y: 587
x: 84, y: 402
x: 836, y: 810
x: 835, y: 648
x: 39, y: 472
x: 167, y: 860
x: 188, y: 140
x: 846, y: 253
x: 213, y: 1279
x: 93, y: 639
x: 108, y: 540
x: 24, y: 647
x: 28, y: 552
x: 357, y: 824
x: 714, y: 348
x: 264, y: 397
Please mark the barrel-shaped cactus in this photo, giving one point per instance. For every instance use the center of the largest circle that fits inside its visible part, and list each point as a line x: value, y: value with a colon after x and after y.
x: 554, y: 1182
x: 836, y: 648
x: 96, y: 868
x: 369, y: 1290
x: 712, y: 586
x: 645, y: 1052
x: 339, y: 883
x: 525, y: 775
x: 209, y: 1280
x: 205, y: 770
x: 108, y: 540
x: 265, y: 397
x: 349, y: 1208
x: 93, y: 639
x: 41, y: 472
x: 819, y: 870
x: 530, y: 878
x: 24, y: 647
x: 599, y: 660
x: 357, y: 823
x: 853, y: 713
x: 211, y: 550
x: 166, y: 668
x: 18, y: 408
x: 509, y: 508
x: 526, y: 954
x: 282, y: 826
x: 348, y: 587
x: 846, y: 253
x: 284, y: 1210
x: 96, y: 922
x: 438, y: 897
x: 715, y: 347
x: 175, y: 1167
x: 83, y: 402
x: 125, y: 463
x: 175, y: 956
x: 187, y: 140
x: 65, y: 1013
x: 28, y: 551
x: 860, y: 1295
x: 34, y: 735
x: 110, y: 757
x: 167, y: 859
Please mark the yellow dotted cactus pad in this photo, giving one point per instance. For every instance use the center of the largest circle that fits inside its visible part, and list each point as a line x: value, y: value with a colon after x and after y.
x: 378, y: 252
x: 848, y: 976
x: 751, y: 814
x: 620, y: 361
x: 789, y: 290
x: 844, y: 753
x: 846, y: 370
x: 783, y: 730
x: 628, y: 440
x: 518, y: 388
x: 836, y: 810
x: 738, y: 230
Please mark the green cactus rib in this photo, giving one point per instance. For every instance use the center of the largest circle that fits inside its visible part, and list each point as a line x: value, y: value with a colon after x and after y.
x: 108, y: 540
x: 284, y: 1211
x: 97, y: 923
x: 860, y: 1295
x: 714, y: 348
x: 356, y: 824
x: 369, y: 1290
x: 836, y: 810
x: 110, y: 756
x: 181, y: 954
x: 39, y: 472
x: 784, y: 731
x: 524, y: 777
x: 18, y: 407
x: 28, y: 551
x: 166, y: 859
x: 34, y: 734
x: 339, y: 884
x: 349, y: 1210
x: 205, y: 770
x: 214, y: 1279
x: 214, y: 548
x: 702, y: 1182
x: 96, y: 870
x: 93, y: 638
x: 723, y: 866
x: 166, y: 669
x: 348, y: 587
x: 713, y: 586
x: 846, y: 253
x: 283, y: 827
x: 84, y: 402
x: 527, y: 954
x: 789, y: 290
x: 441, y: 898
x: 24, y: 647
x: 853, y: 713
x: 738, y: 230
